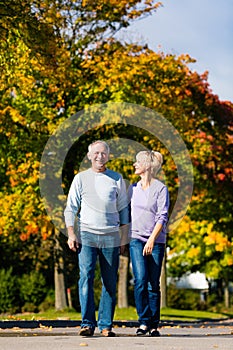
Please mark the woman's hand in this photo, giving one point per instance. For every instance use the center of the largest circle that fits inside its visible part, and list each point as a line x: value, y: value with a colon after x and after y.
x: 151, y: 240
x: 148, y: 246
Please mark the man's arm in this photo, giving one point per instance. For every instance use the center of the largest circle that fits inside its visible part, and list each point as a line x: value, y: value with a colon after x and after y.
x: 72, y: 207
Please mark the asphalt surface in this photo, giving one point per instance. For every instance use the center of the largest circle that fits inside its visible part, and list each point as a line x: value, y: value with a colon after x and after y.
x: 59, y: 335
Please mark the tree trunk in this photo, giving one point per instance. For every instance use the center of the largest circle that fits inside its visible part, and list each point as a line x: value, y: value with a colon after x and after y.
x: 163, y: 283
x: 59, y: 275
x: 123, y: 282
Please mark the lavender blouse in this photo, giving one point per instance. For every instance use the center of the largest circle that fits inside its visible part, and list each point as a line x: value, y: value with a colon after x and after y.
x: 148, y: 207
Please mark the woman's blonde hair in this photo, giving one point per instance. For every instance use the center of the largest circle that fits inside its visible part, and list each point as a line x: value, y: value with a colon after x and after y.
x: 151, y: 159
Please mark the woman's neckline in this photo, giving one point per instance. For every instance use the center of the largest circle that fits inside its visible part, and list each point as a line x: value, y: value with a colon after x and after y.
x: 144, y: 188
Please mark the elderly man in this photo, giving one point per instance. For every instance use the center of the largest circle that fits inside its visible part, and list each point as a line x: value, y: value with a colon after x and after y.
x: 98, y: 196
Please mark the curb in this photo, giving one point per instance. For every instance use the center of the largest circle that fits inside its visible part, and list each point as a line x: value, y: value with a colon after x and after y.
x: 76, y: 323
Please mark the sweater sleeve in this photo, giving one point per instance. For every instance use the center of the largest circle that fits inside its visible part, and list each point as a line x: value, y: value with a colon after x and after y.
x: 122, y: 202
x: 73, y: 202
x: 163, y: 206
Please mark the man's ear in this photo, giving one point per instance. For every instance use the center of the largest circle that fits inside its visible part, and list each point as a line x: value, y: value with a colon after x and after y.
x: 89, y: 156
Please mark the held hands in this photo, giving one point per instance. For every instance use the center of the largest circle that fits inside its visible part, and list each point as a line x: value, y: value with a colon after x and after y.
x: 123, y: 249
x: 124, y: 233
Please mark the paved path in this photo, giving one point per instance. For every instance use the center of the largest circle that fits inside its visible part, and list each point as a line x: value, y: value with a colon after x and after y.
x: 197, y: 336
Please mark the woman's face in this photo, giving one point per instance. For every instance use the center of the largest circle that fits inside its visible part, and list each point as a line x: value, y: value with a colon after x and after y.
x: 140, y: 166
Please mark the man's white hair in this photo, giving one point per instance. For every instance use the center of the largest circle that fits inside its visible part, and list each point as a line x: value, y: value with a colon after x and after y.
x: 99, y: 141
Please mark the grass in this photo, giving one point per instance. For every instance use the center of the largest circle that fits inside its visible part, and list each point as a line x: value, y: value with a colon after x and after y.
x: 190, y: 315
x: 125, y: 314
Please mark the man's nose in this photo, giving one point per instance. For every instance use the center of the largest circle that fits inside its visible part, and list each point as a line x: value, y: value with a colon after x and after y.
x: 100, y: 155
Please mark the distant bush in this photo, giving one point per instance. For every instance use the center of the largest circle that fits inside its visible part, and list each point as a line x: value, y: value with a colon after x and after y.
x: 29, y: 307
x: 9, y: 291
x: 184, y: 299
x: 33, y: 291
x: 48, y: 302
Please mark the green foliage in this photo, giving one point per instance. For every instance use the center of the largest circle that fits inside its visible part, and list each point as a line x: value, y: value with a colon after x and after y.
x: 48, y: 302
x: 33, y: 290
x: 9, y: 291
x: 184, y: 299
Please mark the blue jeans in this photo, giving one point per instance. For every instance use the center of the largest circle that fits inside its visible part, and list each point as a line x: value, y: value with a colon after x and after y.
x: 106, y: 248
x: 147, y: 270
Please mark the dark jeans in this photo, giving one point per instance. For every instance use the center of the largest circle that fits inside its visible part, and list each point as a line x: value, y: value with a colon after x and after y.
x: 147, y: 270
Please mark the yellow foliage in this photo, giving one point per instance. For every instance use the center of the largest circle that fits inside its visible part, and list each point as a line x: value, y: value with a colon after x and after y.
x: 193, y: 252
x: 191, y: 238
x: 218, y: 240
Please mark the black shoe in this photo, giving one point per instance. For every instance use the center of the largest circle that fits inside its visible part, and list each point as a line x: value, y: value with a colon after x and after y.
x: 154, y: 333
x: 86, y: 332
x: 142, y: 330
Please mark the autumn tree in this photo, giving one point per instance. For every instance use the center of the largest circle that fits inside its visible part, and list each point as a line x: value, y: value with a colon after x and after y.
x: 60, y: 57
x: 167, y: 84
x: 43, y: 45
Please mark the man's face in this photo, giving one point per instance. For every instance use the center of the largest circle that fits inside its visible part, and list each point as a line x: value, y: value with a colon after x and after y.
x: 98, y: 157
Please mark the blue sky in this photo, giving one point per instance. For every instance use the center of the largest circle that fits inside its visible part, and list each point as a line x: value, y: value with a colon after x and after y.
x: 201, y: 28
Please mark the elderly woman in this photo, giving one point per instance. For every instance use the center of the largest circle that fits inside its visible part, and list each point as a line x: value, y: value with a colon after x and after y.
x: 149, y: 214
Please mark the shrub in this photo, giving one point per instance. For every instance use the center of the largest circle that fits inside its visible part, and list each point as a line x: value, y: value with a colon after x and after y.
x: 9, y: 291
x: 29, y: 307
x: 32, y: 289
x: 184, y: 299
x: 48, y: 302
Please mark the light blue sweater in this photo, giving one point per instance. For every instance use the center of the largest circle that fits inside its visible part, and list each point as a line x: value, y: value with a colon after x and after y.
x: 100, y: 199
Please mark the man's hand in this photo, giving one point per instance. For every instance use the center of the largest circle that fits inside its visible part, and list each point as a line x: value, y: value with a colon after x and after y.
x: 72, y: 239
